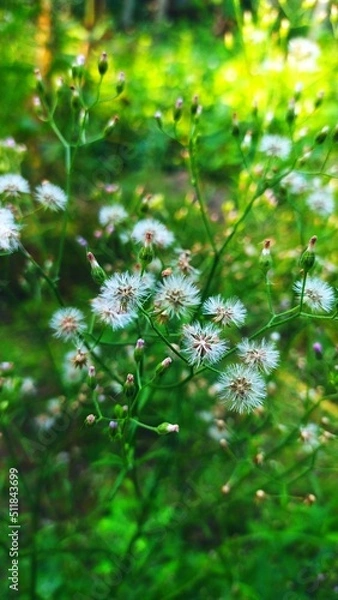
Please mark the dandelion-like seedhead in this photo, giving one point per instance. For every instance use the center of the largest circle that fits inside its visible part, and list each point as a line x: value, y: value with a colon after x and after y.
x: 275, y: 146
x: 111, y: 313
x: 310, y: 436
x: 318, y: 295
x: 125, y: 290
x: 153, y: 231
x: 9, y: 231
x: 295, y: 183
x: 12, y: 185
x: 321, y: 200
x: 51, y: 196
x: 68, y: 323
x: 112, y: 215
x: 203, y: 344
x: 259, y: 355
x: 225, y: 312
x: 303, y: 54
x: 176, y: 296
x: 242, y: 388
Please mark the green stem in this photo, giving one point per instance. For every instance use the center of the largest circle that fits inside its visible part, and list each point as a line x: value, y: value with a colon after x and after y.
x: 196, y: 185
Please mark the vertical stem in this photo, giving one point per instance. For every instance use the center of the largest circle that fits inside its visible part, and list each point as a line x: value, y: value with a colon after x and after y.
x: 66, y: 213
x: 195, y: 183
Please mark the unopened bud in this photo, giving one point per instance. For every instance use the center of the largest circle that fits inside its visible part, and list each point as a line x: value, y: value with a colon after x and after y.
x: 163, y: 366
x: 110, y: 125
x: 260, y: 495
x: 158, y: 119
x: 298, y: 91
x: 322, y: 135
x: 77, y: 68
x: 97, y: 272
x: 307, y: 259
x: 91, y: 379
x: 310, y: 499
x: 90, y: 420
x: 226, y: 489
x: 291, y: 112
x: 319, y: 99
x: 121, y: 81
x: 178, y: 109
x: 139, y: 350
x: 129, y: 387
x: 259, y: 458
x: 39, y: 111
x: 318, y: 350
x: 235, y: 125
x: 75, y: 99
x: 167, y: 272
x: 103, y: 64
x: 335, y: 134
x: 165, y: 428
x: 265, y: 260
x: 40, y: 88
x: 146, y: 253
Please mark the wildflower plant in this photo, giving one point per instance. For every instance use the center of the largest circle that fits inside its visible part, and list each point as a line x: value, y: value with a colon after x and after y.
x: 192, y: 312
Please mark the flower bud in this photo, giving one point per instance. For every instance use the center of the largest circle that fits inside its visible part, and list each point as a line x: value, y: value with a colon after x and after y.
x: 103, y: 64
x: 310, y: 499
x: 318, y: 350
x: 146, y: 253
x: 291, y: 112
x: 265, y: 260
x: 165, y: 428
x: 139, y: 350
x: 194, y: 106
x: 298, y: 91
x: 121, y: 81
x: 235, y: 125
x: 129, y: 387
x: 307, y: 259
x: 97, y: 272
x: 75, y: 101
x: 319, y: 99
x: 158, y: 119
x: 260, y: 495
x: 178, y: 109
x: 322, y: 135
x: 78, y: 68
x: 40, y: 87
x: 110, y: 126
x: 90, y: 420
x: 91, y: 379
x: 113, y: 428
x: 163, y: 366
x: 335, y: 134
